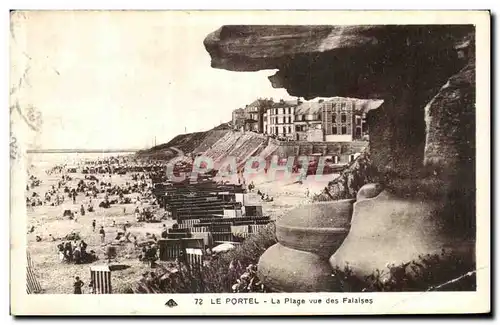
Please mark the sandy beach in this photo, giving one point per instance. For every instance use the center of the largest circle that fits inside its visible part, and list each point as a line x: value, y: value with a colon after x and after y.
x: 57, y: 277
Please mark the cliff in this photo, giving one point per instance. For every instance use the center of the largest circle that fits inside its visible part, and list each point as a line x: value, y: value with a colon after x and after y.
x: 421, y: 163
x: 406, y: 66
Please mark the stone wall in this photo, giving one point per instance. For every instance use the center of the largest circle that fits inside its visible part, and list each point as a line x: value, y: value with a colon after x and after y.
x: 297, y: 148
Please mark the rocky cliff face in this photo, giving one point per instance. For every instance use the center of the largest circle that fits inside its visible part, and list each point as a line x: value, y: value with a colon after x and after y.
x: 346, y: 61
x: 422, y: 138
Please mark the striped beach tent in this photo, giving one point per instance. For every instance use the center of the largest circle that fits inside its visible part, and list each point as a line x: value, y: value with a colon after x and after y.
x: 32, y: 285
x: 194, y: 257
x: 100, y: 278
x: 199, y: 229
x: 190, y: 222
x: 256, y: 228
x: 170, y: 249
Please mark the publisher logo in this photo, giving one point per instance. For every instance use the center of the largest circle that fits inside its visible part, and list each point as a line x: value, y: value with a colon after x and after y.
x: 171, y: 303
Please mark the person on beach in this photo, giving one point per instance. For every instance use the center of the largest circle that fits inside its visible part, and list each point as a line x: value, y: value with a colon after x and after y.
x: 82, y: 210
x: 93, y: 225
x: 102, y: 234
x: 78, y: 286
x: 164, y: 233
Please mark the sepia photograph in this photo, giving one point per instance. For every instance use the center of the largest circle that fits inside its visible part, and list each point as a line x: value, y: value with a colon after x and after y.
x: 181, y: 155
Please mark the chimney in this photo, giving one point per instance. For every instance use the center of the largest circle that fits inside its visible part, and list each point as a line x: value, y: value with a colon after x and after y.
x: 320, y: 101
x: 299, y: 101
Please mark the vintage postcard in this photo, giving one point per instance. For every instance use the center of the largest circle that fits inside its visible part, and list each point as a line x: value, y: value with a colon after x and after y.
x: 250, y: 163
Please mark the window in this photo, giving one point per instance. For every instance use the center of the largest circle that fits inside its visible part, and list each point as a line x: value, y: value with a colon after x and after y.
x: 289, y: 129
x: 297, y: 128
x: 303, y: 117
x: 276, y: 130
x: 343, y: 118
x: 334, y: 118
x: 334, y: 129
x: 344, y: 130
x: 319, y: 116
x: 343, y: 106
x: 358, y: 120
x: 358, y: 131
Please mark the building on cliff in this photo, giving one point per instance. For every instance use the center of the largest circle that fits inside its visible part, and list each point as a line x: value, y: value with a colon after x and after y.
x: 308, y: 125
x: 333, y: 120
x: 279, y: 119
x: 343, y: 121
x: 254, y: 114
x: 238, y: 119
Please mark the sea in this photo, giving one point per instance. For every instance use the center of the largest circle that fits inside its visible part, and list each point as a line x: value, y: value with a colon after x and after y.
x: 47, y: 160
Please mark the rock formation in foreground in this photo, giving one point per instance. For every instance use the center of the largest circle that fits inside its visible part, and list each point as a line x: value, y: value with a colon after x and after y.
x: 422, y: 140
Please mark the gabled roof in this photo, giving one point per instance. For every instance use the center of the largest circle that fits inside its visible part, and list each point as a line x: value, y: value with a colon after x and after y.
x: 311, y: 107
x: 360, y: 105
x: 285, y: 103
x: 259, y: 102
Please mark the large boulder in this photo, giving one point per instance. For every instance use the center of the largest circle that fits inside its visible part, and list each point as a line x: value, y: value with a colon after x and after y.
x: 307, y: 237
x: 388, y: 229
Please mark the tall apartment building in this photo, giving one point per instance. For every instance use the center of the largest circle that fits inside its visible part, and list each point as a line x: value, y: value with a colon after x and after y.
x: 279, y: 119
x: 333, y: 120
x: 254, y: 115
x: 308, y: 123
x: 342, y: 120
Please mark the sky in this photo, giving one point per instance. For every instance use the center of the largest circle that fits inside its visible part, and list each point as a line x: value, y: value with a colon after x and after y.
x: 117, y: 80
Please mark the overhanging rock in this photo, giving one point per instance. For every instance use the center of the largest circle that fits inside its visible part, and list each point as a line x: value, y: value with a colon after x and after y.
x: 421, y: 137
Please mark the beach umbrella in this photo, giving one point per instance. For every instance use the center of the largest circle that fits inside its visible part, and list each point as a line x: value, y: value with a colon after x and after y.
x: 223, y: 248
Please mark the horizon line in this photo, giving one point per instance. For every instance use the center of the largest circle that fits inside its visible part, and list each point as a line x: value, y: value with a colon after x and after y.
x: 46, y: 150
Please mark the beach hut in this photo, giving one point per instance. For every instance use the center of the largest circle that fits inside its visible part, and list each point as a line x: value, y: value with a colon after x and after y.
x: 32, y: 284
x: 194, y: 257
x: 100, y: 279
